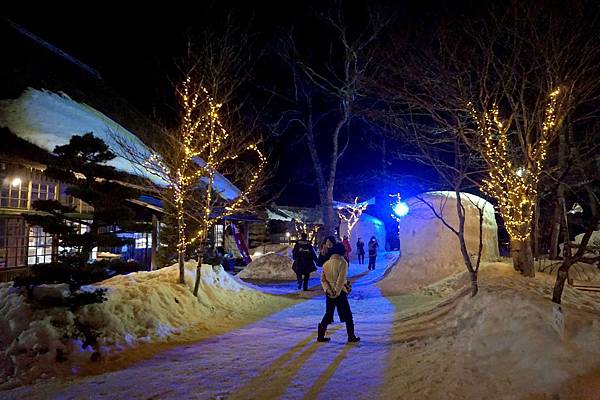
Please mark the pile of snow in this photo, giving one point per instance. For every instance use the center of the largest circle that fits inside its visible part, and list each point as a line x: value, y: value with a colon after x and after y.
x: 281, y: 249
x: 503, y: 343
x: 366, y: 227
x: 141, y: 307
x: 269, y: 267
x: 430, y: 251
x: 593, y: 244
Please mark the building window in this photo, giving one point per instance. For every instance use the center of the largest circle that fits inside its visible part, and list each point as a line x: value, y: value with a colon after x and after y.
x: 39, y: 250
x: 13, y: 194
x: 13, y: 249
x: 143, y: 240
x: 42, y: 191
x: 218, y: 235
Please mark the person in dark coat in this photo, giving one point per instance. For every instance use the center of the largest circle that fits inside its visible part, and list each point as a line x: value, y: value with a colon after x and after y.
x: 373, y: 245
x: 336, y: 287
x: 360, y: 249
x: 325, y: 250
x: 304, y: 260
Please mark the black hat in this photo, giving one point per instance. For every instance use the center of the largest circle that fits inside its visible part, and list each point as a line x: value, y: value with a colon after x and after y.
x: 339, y: 249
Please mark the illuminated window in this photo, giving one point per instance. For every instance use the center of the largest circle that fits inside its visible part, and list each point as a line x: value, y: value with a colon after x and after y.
x: 218, y: 235
x: 39, y: 250
x: 13, y: 194
x: 143, y: 240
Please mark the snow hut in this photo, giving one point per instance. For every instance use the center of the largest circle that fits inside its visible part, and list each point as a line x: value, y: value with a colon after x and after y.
x: 430, y: 250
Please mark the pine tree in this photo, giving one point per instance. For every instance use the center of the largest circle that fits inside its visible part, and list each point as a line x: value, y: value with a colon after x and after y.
x: 81, y: 164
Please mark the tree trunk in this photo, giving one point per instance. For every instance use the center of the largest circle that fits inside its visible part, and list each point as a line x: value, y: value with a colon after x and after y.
x: 181, y: 266
x: 522, y: 257
x: 515, y: 251
x: 561, y: 277
x: 557, y: 218
x: 526, y: 256
x: 536, y: 230
x: 474, y: 286
x: 556, y: 225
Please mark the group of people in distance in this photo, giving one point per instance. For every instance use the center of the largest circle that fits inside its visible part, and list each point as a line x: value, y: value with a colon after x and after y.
x: 334, y: 257
x: 360, y: 246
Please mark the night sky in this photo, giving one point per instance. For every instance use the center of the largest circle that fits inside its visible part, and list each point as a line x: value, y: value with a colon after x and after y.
x: 135, y: 54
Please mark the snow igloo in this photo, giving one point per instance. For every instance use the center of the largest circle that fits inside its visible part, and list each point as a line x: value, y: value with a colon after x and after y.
x: 430, y: 251
x: 366, y: 227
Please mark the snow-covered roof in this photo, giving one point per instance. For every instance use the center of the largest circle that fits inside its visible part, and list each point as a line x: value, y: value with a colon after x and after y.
x: 48, y: 119
x: 340, y: 204
x: 305, y: 215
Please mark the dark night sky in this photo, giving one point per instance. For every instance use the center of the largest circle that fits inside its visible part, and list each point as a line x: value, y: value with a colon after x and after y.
x: 135, y: 55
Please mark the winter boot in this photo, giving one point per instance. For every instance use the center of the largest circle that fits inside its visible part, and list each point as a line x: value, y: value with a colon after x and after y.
x: 350, y: 330
x: 321, y: 329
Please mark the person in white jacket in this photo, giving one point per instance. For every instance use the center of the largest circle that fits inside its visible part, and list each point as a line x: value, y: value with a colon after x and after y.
x: 333, y: 279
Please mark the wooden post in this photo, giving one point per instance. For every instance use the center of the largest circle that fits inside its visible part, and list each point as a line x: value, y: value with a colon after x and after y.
x: 154, y: 249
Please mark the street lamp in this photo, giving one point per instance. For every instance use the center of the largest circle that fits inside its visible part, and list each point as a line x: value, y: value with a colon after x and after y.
x: 400, y: 209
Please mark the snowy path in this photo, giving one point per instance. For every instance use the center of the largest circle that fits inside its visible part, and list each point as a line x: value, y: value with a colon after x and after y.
x: 276, y: 357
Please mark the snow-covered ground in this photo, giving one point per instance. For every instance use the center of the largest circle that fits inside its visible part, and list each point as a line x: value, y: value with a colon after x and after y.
x: 142, y: 307
x: 434, y: 343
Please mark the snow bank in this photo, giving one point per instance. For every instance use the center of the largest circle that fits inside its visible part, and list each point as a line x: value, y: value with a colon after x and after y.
x: 141, y: 307
x: 502, y: 344
x: 430, y: 251
x: 281, y: 249
x: 269, y: 267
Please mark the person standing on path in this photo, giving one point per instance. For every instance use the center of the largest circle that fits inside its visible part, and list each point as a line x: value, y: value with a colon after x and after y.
x: 360, y: 248
x: 373, y: 245
x: 334, y: 281
x: 304, y: 256
x: 325, y: 250
x: 348, y: 248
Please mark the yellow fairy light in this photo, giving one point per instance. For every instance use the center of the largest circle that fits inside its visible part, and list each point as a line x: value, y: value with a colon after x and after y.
x: 514, y: 189
x: 203, y: 136
x: 302, y: 227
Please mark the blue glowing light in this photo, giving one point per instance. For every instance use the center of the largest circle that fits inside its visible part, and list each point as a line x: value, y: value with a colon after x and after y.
x: 401, y: 209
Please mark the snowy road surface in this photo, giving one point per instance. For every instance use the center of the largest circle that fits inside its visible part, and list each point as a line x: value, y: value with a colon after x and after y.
x: 276, y: 357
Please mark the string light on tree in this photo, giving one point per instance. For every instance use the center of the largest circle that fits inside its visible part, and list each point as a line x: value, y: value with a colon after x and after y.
x: 206, y: 148
x: 302, y: 227
x: 514, y: 188
x: 351, y: 213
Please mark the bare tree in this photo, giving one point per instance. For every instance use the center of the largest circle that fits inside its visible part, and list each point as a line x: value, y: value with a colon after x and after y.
x: 583, y: 184
x: 211, y: 140
x: 324, y: 96
x: 518, y: 73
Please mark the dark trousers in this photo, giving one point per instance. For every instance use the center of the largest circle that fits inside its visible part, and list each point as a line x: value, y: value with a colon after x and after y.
x: 372, y: 259
x: 343, y: 310
x: 361, y: 258
x: 302, y: 280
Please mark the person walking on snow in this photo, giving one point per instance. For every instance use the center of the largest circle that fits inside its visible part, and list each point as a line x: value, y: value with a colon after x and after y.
x: 373, y: 245
x: 348, y: 248
x: 333, y: 280
x: 360, y: 246
x: 304, y: 256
